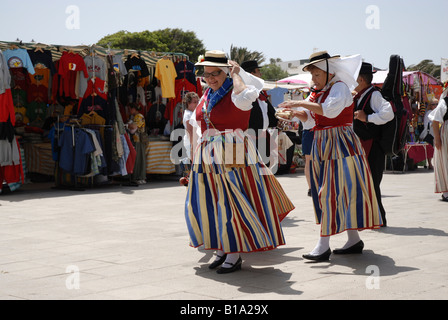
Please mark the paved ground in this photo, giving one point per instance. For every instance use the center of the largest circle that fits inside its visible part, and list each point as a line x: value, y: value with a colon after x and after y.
x: 132, y: 243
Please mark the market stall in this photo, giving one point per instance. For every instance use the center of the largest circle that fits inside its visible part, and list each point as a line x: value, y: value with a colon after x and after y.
x: 421, y: 92
x: 68, y: 107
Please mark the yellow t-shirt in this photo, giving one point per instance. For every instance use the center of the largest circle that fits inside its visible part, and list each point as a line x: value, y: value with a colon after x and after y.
x: 166, y: 73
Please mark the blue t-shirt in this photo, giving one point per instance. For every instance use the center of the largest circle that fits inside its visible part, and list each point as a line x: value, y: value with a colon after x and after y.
x: 19, y: 58
x: 277, y: 95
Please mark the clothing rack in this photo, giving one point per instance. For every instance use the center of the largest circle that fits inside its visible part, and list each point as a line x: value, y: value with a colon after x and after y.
x: 126, y: 183
x: 73, y: 126
x: 75, y: 177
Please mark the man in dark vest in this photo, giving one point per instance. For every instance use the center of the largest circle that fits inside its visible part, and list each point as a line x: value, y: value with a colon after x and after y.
x: 263, y: 113
x: 372, y: 111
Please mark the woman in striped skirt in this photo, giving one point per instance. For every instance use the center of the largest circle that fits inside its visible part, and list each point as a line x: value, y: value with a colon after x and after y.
x: 234, y: 203
x: 341, y: 182
x: 439, y: 119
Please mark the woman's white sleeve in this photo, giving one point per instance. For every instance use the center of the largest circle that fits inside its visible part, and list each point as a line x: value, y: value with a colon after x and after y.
x: 339, y: 98
x: 254, y: 86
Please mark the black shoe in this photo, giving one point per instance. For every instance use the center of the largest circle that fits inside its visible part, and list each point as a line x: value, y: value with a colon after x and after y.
x: 444, y: 198
x: 355, y: 249
x: 309, y: 192
x: 322, y: 257
x: 234, y: 267
x: 218, y: 262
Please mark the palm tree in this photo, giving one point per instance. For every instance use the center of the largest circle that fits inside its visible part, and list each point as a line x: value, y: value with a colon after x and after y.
x: 239, y: 55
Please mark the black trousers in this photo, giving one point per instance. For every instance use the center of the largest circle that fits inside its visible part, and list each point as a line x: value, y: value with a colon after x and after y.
x: 376, y: 161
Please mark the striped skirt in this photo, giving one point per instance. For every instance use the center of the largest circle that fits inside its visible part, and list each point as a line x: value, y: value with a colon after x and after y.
x: 341, y: 183
x: 441, y: 161
x: 234, y: 209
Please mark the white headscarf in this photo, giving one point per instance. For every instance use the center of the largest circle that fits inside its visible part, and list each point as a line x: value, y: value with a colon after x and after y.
x: 346, y: 69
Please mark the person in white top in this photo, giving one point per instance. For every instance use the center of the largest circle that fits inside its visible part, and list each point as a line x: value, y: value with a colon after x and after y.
x: 233, y: 206
x: 371, y: 111
x: 190, y: 101
x: 439, y: 119
x: 427, y: 134
x: 340, y: 175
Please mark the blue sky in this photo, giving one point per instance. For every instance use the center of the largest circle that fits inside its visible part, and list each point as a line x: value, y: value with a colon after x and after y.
x: 286, y: 29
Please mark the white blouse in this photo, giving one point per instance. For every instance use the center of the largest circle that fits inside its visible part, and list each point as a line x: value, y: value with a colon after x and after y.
x: 254, y: 86
x: 340, y: 97
x: 243, y: 101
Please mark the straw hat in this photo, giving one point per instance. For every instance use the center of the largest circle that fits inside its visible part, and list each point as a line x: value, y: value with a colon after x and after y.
x: 214, y: 58
x: 318, y: 57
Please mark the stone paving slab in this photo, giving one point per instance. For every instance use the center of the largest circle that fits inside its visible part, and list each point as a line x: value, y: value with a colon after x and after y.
x: 131, y: 243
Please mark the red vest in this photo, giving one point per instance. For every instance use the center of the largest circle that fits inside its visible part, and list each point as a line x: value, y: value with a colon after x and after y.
x: 224, y: 116
x: 344, y: 118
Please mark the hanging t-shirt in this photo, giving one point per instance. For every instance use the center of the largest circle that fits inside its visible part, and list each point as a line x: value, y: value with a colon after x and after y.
x: 116, y: 70
x: 37, y: 93
x: 137, y: 64
x: 7, y: 107
x: 19, y: 58
x: 166, y: 73
x: 186, y: 70
x: 97, y: 104
x: 96, y: 86
x: 19, y: 78
x: 277, y: 95
x: 182, y: 87
x: 96, y: 67
x: 19, y: 97
x: 5, y: 76
x: 38, y: 87
x: 36, y: 111
x: 69, y: 65
x: 43, y: 58
x: 41, y: 77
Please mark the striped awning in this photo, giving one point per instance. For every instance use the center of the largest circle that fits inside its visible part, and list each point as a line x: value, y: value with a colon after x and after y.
x: 149, y: 57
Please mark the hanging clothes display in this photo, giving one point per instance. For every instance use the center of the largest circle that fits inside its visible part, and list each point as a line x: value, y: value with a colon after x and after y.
x: 11, y: 170
x: 72, y: 103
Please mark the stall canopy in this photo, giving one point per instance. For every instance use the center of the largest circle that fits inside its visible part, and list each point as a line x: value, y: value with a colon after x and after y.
x: 149, y: 57
x: 415, y: 79
x: 268, y: 85
x: 300, y: 81
x: 409, y: 77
